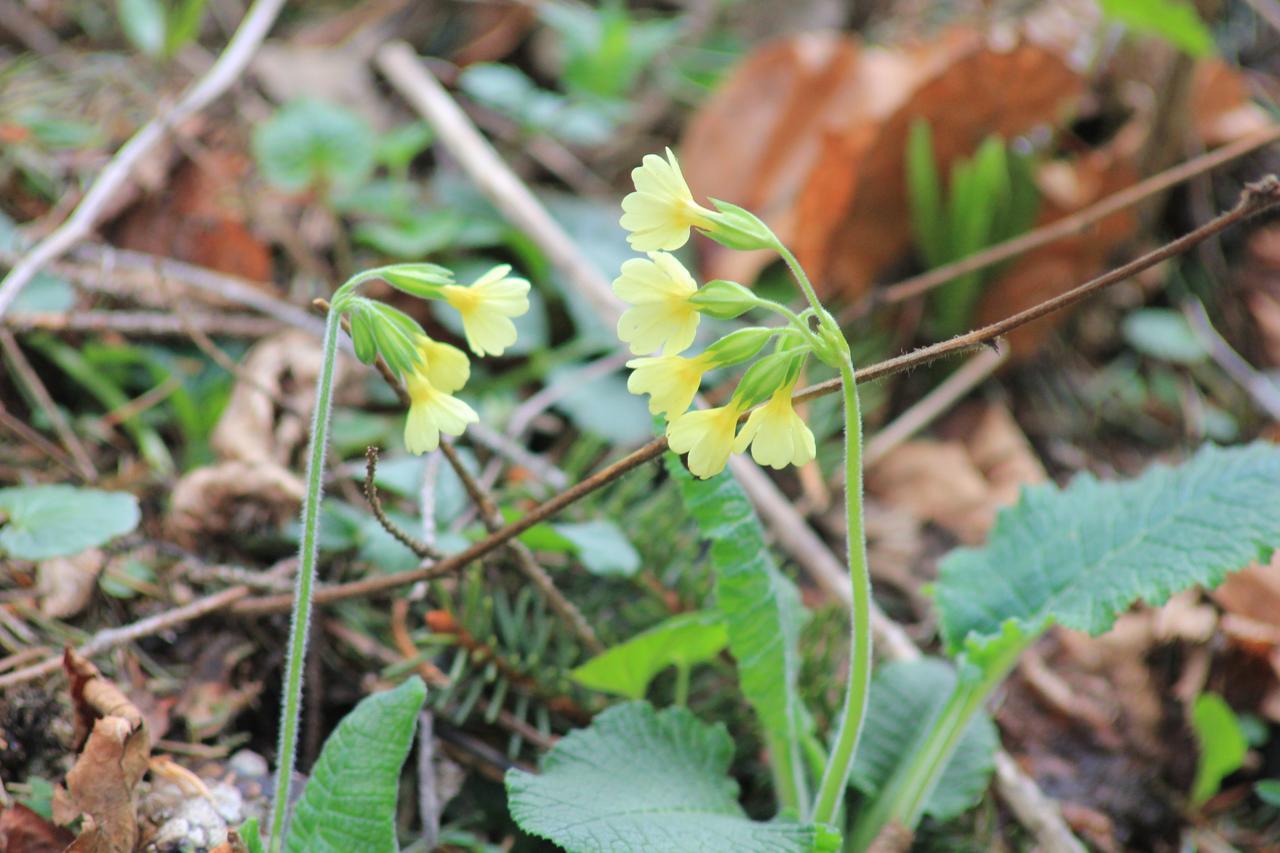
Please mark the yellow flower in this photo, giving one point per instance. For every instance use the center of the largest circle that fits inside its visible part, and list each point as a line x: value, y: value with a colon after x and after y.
x: 707, y: 436
x: 671, y: 381
x: 661, y: 211
x: 661, y: 314
x: 431, y: 412
x: 445, y: 367
x: 486, y: 308
x: 777, y: 435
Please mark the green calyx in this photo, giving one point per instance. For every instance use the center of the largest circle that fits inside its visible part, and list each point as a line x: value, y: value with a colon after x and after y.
x: 763, y: 379
x: 738, y: 346
x: 724, y: 300
x: 737, y: 228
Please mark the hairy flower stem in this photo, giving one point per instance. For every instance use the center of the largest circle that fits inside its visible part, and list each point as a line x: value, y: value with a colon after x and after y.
x: 300, y: 625
x: 835, y: 777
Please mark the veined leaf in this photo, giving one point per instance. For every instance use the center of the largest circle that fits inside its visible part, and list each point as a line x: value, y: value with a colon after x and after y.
x: 350, y: 800
x: 37, y: 522
x: 639, y: 779
x: 905, y: 697
x: 626, y: 669
x: 761, y: 608
x: 1175, y: 21
x: 1080, y: 556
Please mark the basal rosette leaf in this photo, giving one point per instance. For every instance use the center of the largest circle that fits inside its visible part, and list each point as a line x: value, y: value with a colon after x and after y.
x: 349, y: 802
x: 1082, y: 555
x: 38, y: 522
x: 639, y: 780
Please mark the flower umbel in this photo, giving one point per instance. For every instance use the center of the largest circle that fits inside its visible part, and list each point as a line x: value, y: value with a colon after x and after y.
x: 777, y: 435
x: 671, y: 381
x: 487, y: 307
x: 707, y: 436
x: 661, y: 211
x: 661, y: 315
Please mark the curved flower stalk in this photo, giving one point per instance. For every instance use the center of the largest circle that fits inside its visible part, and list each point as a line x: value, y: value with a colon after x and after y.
x: 666, y: 303
x: 432, y: 372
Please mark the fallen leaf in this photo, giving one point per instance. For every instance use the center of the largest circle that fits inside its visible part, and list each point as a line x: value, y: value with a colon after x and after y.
x: 24, y: 831
x: 66, y: 584
x: 232, y: 499
x: 1221, y: 105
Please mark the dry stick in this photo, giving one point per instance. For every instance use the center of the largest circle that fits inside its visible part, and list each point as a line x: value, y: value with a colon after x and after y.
x: 33, y: 437
x: 109, y: 638
x: 1076, y: 222
x: 140, y: 323
x: 1255, y: 198
x: 252, y: 30
x: 1263, y: 391
x: 23, y: 369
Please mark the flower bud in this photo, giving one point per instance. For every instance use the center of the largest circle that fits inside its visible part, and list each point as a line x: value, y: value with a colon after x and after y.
x: 421, y: 280
x: 723, y: 300
x: 737, y: 228
x: 738, y: 346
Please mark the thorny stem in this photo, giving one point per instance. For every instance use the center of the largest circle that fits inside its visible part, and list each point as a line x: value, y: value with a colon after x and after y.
x: 300, y: 624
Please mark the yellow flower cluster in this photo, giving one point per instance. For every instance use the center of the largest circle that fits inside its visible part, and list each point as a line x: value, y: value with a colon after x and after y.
x: 663, y: 315
x: 486, y: 308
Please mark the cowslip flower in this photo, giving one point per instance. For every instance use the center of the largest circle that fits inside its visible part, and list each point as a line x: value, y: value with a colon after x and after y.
x: 487, y: 307
x: 707, y: 435
x: 671, y: 381
x: 661, y: 211
x: 441, y: 370
x: 658, y: 289
x: 777, y: 435
x: 445, y: 367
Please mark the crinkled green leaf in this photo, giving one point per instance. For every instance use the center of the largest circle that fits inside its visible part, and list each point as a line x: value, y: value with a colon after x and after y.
x: 905, y: 697
x: 1080, y: 556
x: 682, y: 640
x: 1222, y: 745
x: 349, y: 802
x: 143, y: 22
x: 1175, y: 21
x: 761, y: 607
x: 641, y: 780
x: 314, y: 144
x: 1165, y: 334
x: 37, y: 522
x: 602, y: 546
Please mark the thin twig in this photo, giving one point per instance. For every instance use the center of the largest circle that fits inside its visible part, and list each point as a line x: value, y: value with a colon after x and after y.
x: 491, y: 517
x: 27, y: 374
x: 33, y: 437
x: 109, y: 638
x: 1076, y: 222
x: 252, y: 30
x: 422, y: 549
x: 136, y: 323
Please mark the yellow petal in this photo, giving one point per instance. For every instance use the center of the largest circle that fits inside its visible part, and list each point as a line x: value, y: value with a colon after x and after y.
x: 431, y: 413
x: 707, y: 436
x: 671, y: 381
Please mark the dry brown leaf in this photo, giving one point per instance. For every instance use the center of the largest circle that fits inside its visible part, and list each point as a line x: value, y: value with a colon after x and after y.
x: 24, y: 831
x: 1253, y: 593
x: 231, y: 499
x: 1221, y: 105
x: 959, y: 484
x: 102, y: 782
x: 66, y: 584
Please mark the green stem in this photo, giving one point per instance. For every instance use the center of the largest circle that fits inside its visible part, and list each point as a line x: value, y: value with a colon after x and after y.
x: 802, y: 279
x: 300, y: 625
x: 904, y: 797
x: 840, y: 765
x: 682, y: 684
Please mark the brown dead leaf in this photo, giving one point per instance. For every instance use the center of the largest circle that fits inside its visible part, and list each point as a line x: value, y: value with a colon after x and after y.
x: 199, y: 218
x: 102, y: 782
x: 810, y: 133
x: 232, y: 499
x: 962, y: 482
x: 1253, y: 593
x: 1221, y: 105
x: 24, y: 831
x: 66, y: 584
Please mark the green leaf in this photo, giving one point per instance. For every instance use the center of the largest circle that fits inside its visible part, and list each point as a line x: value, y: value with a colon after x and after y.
x: 602, y: 546
x: 924, y: 190
x: 1222, y: 745
x: 250, y: 835
x: 761, y: 608
x: 1165, y: 334
x: 38, y: 522
x: 184, y: 24
x: 398, y: 146
x: 601, y: 405
x: 143, y: 22
x: 1268, y: 790
x: 905, y: 697
x: 1080, y: 556
x: 682, y: 640
x: 349, y: 802
x: 1175, y: 21
x: 641, y: 780
x: 313, y: 144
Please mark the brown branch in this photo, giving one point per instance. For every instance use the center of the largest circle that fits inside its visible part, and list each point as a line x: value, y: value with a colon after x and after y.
x: 1254, y: 199
x: 417, y: 546
x: 1076, y: 222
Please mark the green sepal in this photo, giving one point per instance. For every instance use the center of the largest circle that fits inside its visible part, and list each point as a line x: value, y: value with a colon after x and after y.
x: 421, y: 280
x: 396, y: 335
x: 738, y: 346
x: 738, y: 228
x: 362, y: 335
x: 766, y: 376
x: 724, y: 300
